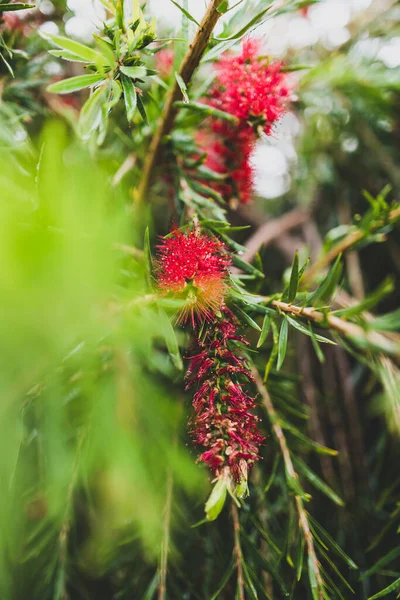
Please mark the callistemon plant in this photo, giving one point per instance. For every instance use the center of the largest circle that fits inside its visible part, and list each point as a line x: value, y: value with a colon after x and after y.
x: 255, y: 90
x: 194, y: 266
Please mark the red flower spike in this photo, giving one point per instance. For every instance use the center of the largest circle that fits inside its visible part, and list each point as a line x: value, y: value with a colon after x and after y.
x: 223, y: 423
x: 194, y: 266
x: 253, y: 89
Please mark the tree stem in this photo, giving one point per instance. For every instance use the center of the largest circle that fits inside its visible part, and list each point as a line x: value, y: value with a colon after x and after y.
x: 188, y: 67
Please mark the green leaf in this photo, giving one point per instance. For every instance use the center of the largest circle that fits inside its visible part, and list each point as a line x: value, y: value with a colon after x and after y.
x: 17, y: 6
x: 134, y: 72
x: 300, y: 327
x: 106, y: 50
x: 282, y: 345
x: 335, y: 569
x: 319, y: 448
x: 316, y: 481
x: 333, y: 545
x: 142, y: 109
x: 116, y: 90
x: 185, y: 12
x: 248, y: 319
x: 264, y: 563
x: 244, y: 29
x: 84, y: 52
x: 274, y: 351
x: 382, y: 562
x: 67, y: 55
x: 294, y: 281
x: 386, y: 287
x: 223, y: 7
x: 216, y: 501
x: 247, y: 267
x: 224, y: 581
x: 300, y: 557
x: 171, y: 341
x: 264, y: 331
x: 207, y: 111
x: 312, y: 570
x: 388, y: 322
x: 388, y: 590
x: 291, y: 68
x: 182, y: 87
x: 318, y: 351
x: 328, y: 286
x: 130, y: 96
x: 90, y: 116
x: 73, y: 84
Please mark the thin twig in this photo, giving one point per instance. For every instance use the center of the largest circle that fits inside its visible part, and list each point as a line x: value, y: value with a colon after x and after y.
x: 353, y: 238
x: 302, y: 513
x: 189, y: 65
x: 346, y: 328
x: 237, y: 549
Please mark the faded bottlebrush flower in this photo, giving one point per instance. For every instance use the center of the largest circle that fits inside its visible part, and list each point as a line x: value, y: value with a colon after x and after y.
x: 254, y: 90
x: 193, y: 266
x: 223, y: 423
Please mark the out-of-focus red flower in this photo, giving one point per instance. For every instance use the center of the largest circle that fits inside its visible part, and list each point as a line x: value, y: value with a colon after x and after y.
x: 12, y: 21
x: 194, y: 266
x: 223, y: 424
x: 251, y: 87
x: 164, y: 60
x: 254, y: 89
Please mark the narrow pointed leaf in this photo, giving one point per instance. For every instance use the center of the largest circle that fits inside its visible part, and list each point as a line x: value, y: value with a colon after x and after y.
x: 130, y: 96
x: 317, y: 482
x: 294, y: 280
x: 186, y: 13
x: 388, y: 590
x: 142, y: 109
x: 182, y: 87
x: 84, y: 52
x: 282, y: 346
x: 264, y: 331
x: 17, y: 6
x: 74, y: 84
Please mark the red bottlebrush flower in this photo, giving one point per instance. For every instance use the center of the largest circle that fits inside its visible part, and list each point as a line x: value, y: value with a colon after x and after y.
x: 223, y: 423
x: 164, y: 60
x: 12, y: 21
x: 254, y: 90
x: 229, y: 152
x: 250, y: 87
x: 194, y: 266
